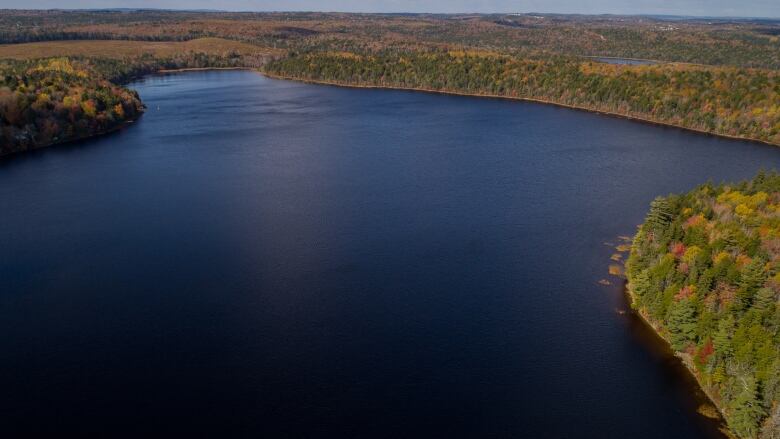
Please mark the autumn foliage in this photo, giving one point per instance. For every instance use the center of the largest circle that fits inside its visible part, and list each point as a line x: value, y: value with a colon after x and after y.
x: 727, y: 101
x: 57, y: 100
x: 710, y: 280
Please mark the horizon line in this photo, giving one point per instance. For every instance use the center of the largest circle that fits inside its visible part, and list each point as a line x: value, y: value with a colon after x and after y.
x: 249, y: 11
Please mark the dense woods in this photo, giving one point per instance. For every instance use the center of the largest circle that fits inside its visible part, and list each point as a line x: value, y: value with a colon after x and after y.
x: 704, y: 269
x: 744, y: 43
x: 58, y: 100
x: 729, y: 101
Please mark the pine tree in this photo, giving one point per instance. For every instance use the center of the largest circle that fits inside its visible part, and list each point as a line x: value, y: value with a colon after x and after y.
x: 752, y: 279
x: 660, y: 214
x: 764, y: 300
x: 722, y: 338
x: 746, y: 411
x: 682, y: 324
x: 759, y: 181
x: 640, y: 285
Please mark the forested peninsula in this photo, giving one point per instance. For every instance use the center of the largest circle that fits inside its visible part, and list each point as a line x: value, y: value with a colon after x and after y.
x: 58, y: 100
x: 704, y: 271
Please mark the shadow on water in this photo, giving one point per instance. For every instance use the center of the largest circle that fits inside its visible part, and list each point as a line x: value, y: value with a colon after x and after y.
x: 675, y: 374
x: 73, y: 145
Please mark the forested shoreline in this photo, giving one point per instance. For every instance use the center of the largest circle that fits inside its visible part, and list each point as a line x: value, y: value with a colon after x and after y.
x: 741, y: 103
x: 59, y: 100
x: 704, y: 271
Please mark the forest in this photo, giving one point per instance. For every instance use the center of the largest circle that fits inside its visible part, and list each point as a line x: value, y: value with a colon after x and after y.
x: 726, y: 100
x: 715, y: 76
x: 704, y: 270
x: 743, y: 43
x: 57, y: 100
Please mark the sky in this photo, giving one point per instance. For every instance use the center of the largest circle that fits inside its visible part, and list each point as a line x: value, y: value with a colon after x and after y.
x: 731, y: 8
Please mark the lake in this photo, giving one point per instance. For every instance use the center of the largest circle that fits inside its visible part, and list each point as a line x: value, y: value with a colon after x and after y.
x: 264, y: 258
x: 624, y: 61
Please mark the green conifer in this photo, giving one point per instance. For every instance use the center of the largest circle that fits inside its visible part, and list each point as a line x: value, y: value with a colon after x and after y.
x: 745, y: 410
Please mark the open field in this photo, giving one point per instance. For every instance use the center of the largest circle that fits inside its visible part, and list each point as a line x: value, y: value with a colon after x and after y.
x: 119, y: 49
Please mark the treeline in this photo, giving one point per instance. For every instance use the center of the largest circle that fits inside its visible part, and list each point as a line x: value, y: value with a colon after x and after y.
x: 727, y: 101
x: 704, y: 269
x: 11, y: 37
x: 57, y: 100
x: 124, y: 70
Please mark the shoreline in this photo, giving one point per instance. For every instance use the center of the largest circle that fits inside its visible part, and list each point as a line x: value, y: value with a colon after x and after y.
x: 653, y: 328
x: 412, y: 89
x: 515, y: 98
x: 199, y: 69
x: 121, y: 126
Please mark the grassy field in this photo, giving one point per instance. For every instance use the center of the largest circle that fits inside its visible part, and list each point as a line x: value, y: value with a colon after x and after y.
x: 120, y: 49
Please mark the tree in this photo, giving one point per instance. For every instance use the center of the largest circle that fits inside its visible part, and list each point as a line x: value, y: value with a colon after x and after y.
x: 746, y: 411
x: 660, y: 214
x: 682, y: 324
x: 753, y: 277
x: 764, y: 300
x: 722, y: 338
x: 641, y: 283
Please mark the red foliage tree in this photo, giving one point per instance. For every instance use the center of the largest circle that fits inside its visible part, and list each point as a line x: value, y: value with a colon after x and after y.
x: 705, y: 351
x: 678, y: 249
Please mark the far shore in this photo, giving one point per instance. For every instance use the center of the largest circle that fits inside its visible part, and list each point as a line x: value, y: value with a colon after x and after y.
x: 200, y: 69
x: 413, y: 89
x: 516, y: 98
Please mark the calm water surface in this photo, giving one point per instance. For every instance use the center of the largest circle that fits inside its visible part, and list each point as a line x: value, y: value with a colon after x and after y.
x: 625, y: 61
x: 273, y: 259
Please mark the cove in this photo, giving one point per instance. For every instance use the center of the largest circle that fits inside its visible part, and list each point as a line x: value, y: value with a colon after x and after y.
x: 262, y: 257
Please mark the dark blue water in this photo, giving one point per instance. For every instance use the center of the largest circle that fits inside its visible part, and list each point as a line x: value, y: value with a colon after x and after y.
x: 263, y: 258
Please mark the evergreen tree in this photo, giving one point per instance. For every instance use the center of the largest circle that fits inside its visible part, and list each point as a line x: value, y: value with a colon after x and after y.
x: 746, y: 411
x: 641, y: 283
x: 764, y: 300
x: 704, y: 282
x: 759, y: 181
x: 722, y: 338
x: 753, y: 277
x: 660, y: 214
x: 682, y: 324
